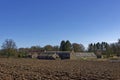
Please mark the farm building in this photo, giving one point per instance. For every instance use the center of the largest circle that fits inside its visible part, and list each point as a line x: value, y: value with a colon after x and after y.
x: 84, y: 55
x: 64, y: 54
x: 34, y: 53
x: 53, y: 55
x: 48, y: 55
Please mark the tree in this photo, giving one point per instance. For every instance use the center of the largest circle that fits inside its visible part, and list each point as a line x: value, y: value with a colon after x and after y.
x: 115, y: 48
x: 90, y: 48
x: 35, y: 48
x: 48, y: 48
x: 118, y: 47
x: 77, y: 47
x: 98, y: 46
x: 94, y: 47
x: 22, y: 52
x: 56, y: 48
x: 118, y: 41
x: 101, y: 48
x: 82, y: 47
x: 62, y: 45
x: 65, y: 46
x: 9, y: 48
x: 68, y: 46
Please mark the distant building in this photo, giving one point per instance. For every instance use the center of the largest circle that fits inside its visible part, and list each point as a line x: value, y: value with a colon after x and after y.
x: 53, y: 55
x: 83, y: 55
x: 64, y: 54
x: 34, y: 53
x: 48, y: 56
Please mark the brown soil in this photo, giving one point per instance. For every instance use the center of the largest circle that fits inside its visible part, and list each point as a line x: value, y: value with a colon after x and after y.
x: 32, y: 69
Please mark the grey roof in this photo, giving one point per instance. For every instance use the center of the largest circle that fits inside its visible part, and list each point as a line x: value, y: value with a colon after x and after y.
x: 84, y: 54
x: 47, y: 54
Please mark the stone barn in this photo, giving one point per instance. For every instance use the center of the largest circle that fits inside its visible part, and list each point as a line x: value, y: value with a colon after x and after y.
x: 32, y: 55
x: 48, y: 56
x: 54, y: 55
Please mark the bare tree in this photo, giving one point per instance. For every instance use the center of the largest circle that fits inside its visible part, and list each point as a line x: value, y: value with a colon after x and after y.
x: 9, y: 48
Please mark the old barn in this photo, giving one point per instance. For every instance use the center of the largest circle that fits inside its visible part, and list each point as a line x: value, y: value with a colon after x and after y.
x: 53, y: 55
x: 48, y: 56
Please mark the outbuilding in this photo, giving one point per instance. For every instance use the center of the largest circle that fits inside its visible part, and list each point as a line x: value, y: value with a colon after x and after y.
x: 48, y: 56
x: 83, y: 55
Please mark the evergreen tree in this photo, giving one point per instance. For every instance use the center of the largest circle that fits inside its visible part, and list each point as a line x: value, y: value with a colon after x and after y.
x: 62, y: 45
x: 90, y: 47
x: 68, y: 46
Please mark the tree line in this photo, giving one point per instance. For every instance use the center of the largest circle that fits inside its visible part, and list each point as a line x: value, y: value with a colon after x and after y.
x: 9, y: 48
x: 108, y: 50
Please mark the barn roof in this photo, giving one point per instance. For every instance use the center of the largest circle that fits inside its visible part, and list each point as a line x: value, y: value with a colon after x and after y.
x: 85, y: 54
x: 47, y: 54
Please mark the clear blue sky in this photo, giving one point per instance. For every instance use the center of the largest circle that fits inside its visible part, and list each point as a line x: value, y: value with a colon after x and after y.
x: 42, y: 22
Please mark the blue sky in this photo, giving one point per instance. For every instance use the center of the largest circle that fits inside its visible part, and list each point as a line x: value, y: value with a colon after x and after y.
x: 42, y: 22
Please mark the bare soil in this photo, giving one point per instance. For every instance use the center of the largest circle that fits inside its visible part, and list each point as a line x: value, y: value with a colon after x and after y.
x: 32, y: 69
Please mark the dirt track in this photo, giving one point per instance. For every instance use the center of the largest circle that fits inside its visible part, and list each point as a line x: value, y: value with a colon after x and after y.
x: 29, y: 69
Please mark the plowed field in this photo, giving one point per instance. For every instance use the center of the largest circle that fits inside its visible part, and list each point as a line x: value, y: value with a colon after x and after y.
x: 32, y: 69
